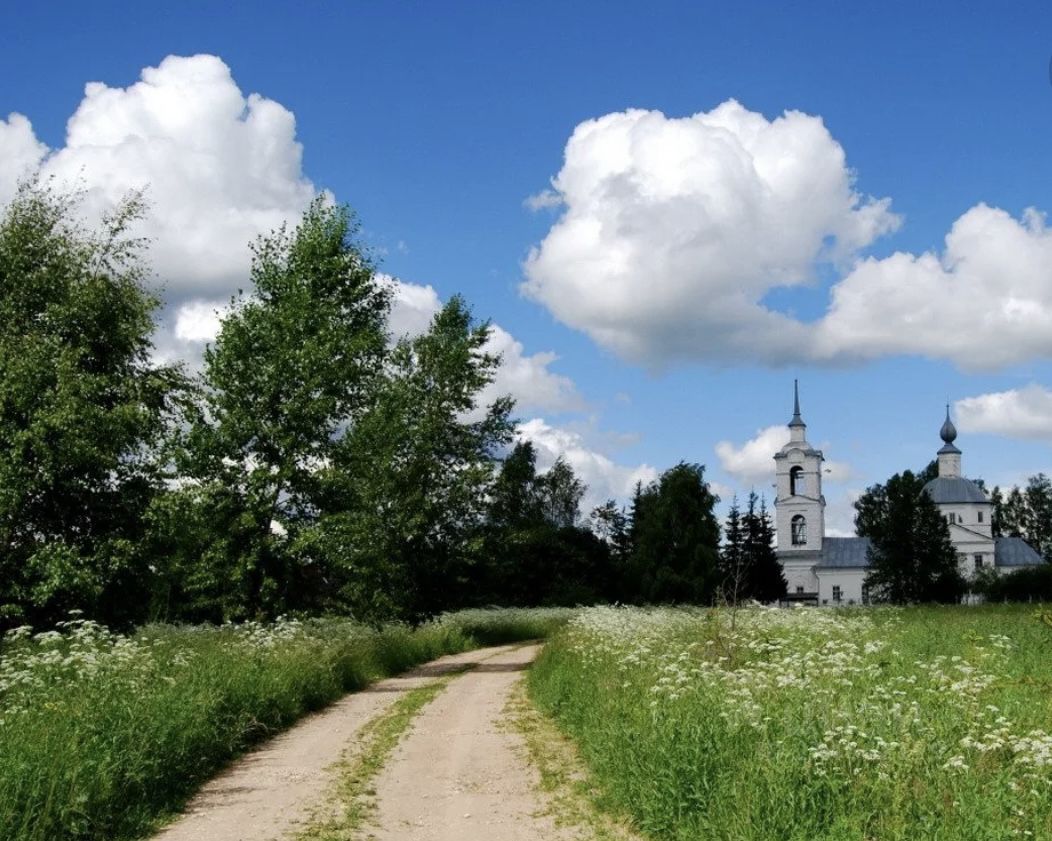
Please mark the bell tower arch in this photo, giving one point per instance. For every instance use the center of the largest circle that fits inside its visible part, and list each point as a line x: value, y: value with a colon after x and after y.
x: 799, y: 505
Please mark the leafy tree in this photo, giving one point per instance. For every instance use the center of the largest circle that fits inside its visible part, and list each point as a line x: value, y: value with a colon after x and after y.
x: 292, y: 366
x: 610, y: 523
x: 83, y: 411
x: 911, y: 558
x: 560, y: 493
x: 537, y: 554
x: 675, y: 539
x: 1026, y: 513
x: 405, y: 495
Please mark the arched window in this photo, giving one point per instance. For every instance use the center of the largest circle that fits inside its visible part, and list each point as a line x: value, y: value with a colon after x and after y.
x: 799, y: 530
x: 796, y: 478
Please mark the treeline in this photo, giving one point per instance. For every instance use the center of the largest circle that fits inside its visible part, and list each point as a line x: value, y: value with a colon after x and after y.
x: 313, y: 465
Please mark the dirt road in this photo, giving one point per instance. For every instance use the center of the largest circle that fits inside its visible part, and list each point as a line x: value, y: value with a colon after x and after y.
x: 265, y: 795
x: 461, y: 774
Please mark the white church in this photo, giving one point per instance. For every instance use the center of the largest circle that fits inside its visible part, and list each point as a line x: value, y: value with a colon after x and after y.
x: 832, y: 570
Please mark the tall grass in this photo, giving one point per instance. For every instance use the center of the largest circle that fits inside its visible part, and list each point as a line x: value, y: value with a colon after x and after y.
x: 811, y: 725
x: 101, y: 733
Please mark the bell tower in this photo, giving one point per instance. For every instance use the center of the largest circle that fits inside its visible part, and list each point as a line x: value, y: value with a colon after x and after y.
x: 799, y: 506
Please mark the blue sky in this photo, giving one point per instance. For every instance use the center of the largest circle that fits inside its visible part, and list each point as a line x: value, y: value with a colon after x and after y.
x: 436, y: 122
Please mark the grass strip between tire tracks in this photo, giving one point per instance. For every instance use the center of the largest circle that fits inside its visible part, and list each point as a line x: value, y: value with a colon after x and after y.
x: 352, y: 803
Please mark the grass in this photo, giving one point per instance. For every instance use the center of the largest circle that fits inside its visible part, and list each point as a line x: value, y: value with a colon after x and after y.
x: 102, y: 735
x: 920, y: 724
x: 571, y: 794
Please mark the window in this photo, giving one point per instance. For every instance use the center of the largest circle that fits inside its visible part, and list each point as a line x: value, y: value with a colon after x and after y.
x: 796, y: 479
x: 951, y: 518
x: 799, y: 589
x: 799, y: 530
x: 980, y: 516
x: 836, y: 592
x: 978, y: 561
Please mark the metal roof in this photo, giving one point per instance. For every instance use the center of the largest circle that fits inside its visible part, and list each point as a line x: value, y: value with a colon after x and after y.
x: 950, y: 489
x: 1015, y: 552
x: 844, y: 553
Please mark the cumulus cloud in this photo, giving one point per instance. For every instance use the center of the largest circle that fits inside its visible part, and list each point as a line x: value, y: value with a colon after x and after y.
x: 20, y: 153
x: 605, y: 478
x: 753, y: 461
x: 985, y: 302
x: 219, y: 167
x: 674, y: 230
x: 1016, y: 413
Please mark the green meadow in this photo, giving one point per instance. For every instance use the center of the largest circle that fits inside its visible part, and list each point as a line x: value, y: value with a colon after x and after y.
x: 883, y: 724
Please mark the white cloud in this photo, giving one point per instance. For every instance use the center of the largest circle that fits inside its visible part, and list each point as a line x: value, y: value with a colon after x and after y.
x: 985, y: 302
x: 605, y: 478
x: 412, y: 307
x: 20, y: 153
x: 674, y: 230
x: 199, y: 321
x: 527, y: 377
x: 1016, y: 413
x: 753, y: 461
x: 220, y: 168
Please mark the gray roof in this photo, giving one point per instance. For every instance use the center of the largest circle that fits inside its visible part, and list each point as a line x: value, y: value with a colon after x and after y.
x: 949, y: 489
x: 1015, y: 552
x: 844, y: 553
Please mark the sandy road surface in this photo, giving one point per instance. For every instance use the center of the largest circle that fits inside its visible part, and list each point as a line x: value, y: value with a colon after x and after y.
x: 264, y: 795
x: 461, y: 774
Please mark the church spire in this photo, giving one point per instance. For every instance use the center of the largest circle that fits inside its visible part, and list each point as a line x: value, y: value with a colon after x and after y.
x: 797, y: 420
x: 949, y: 455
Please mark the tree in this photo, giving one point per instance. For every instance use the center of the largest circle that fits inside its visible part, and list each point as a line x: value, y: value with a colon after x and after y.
x: 911, y: 558
x: 675, y: 539
x: 1026, y: 513
x: 560, y: 493
x: 610, y: 523
x: 83, y: 411
x: 750, y: 566
x: 405, y: 493
x: 765, y: 581
x: 291, y: 368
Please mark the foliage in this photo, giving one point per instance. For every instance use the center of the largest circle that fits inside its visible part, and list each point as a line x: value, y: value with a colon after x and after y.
x: 101, y: 733
x: 675, y: 540
x: 1026, y: 513
x: 82, y: 410
x: 911, y: 557
x: 1028, y: 584
x: 292, y: 365
x: 403, y: 500
x: 810, y: 724
x: 748, y: 562
x: 535, y: 552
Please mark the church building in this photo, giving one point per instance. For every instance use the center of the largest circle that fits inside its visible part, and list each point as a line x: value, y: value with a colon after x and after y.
x: 832, y: 570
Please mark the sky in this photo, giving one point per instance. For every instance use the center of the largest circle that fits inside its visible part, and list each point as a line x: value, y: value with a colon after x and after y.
x: 668, y: 211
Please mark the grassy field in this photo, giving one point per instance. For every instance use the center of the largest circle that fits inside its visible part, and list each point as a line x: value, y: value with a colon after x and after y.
x: 811, y: 725
x: 100, y: 734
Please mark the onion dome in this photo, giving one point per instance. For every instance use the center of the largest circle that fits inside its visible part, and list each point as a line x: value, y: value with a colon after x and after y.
x: 948, y: 433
